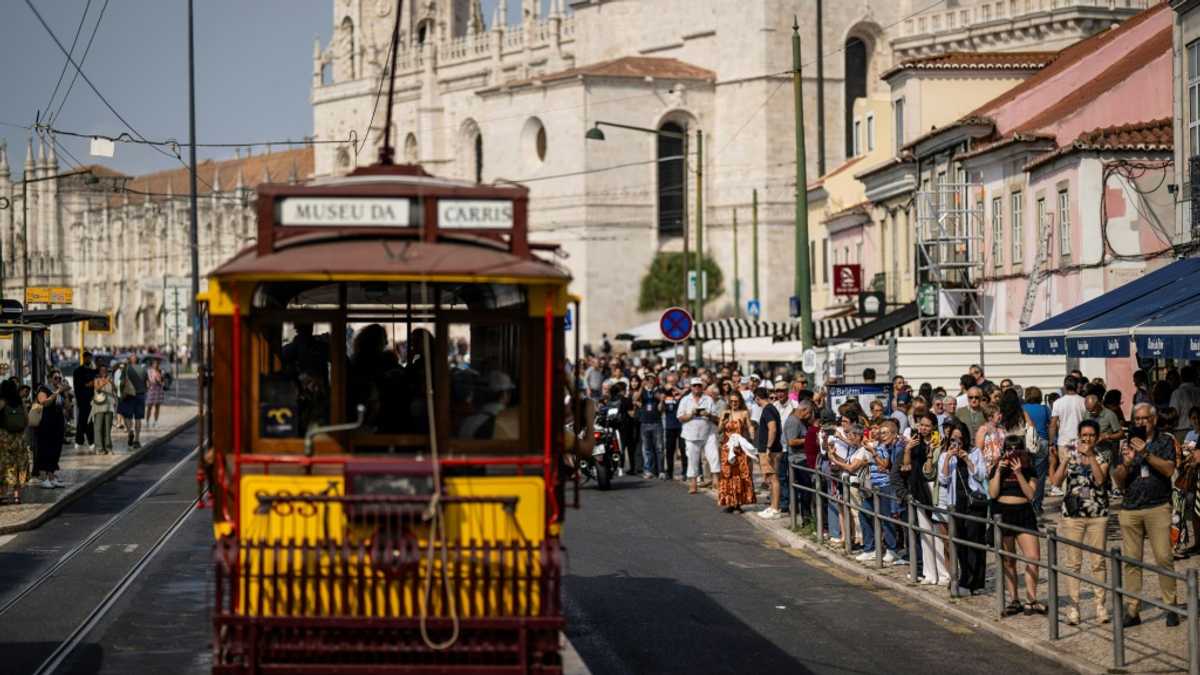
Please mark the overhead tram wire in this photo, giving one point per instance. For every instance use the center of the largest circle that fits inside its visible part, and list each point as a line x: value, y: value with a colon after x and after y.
x: 86, y: 50
x: 95, y: 89
x: 74, y: 43
x: 172, y: 143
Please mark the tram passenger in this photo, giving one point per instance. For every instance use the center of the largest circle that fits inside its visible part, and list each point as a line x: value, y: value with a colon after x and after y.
x: 494, y: 416
x: 369, y: 363
x: 307, y: 354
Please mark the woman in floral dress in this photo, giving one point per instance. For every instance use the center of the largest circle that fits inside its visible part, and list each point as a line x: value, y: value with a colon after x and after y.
x: 14, y: 451
x: 155, y: 384
x: 736, y: 488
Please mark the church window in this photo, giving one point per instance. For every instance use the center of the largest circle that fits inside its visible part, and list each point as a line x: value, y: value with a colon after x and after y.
x: 855, y: 62
x: 540, y: 144
x: 533, y: 137
x: 411, y: 153
x: 870, y: 133
x: 478, y: 158
x: 672, y: 182
x: 423, y: 31
x: 347, y: 35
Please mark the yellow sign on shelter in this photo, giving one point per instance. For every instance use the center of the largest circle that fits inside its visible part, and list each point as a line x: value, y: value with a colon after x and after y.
x: 45, y: 295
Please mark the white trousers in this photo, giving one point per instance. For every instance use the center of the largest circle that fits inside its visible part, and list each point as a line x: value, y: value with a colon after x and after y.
x: 694, y: 449
x: 933, y: 551
x: 712, y: 454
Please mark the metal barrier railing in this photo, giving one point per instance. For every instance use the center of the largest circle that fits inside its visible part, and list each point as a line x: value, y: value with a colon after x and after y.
x: 822, y: 496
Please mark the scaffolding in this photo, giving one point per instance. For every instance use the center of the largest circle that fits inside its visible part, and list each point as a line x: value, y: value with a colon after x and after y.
x: 950, y: 259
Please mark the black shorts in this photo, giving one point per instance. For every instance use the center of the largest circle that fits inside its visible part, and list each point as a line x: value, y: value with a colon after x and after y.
x: 1016, y: 515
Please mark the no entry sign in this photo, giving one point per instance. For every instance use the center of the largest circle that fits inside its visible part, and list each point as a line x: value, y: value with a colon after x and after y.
x: 676, y: 324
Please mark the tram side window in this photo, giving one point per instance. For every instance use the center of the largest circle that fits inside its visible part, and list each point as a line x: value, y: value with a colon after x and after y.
x: 387, y: 378
x: 485, y: 391
x: 294, y: 378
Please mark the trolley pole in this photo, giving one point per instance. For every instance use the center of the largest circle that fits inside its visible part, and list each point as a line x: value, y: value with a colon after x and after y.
x: 803, y: 282
x: 699, y: 239
x: 193, y: 230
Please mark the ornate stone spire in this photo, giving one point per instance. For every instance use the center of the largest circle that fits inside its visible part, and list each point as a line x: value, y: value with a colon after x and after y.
x: 29, y: 161
x: 4, y: 172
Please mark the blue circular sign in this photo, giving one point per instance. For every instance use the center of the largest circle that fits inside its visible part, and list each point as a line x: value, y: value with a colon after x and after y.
x: 676, y: 324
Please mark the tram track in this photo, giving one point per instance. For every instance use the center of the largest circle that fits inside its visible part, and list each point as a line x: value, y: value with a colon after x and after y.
x: 65, y: 648
x: 95, y: 535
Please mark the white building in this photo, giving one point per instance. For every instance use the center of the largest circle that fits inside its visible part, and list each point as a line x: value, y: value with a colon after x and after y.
x: 513, y: 102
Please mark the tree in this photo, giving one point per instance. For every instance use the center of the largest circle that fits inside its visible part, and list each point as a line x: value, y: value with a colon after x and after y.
x: 663, y: 286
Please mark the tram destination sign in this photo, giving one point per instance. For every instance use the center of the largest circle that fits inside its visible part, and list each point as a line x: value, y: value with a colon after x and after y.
x: 344, y: 212
x: 475, y: 214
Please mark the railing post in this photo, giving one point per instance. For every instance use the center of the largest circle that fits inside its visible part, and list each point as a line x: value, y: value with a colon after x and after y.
x: 998, y: 543
x: 793, y: 496
x: 1052, y: 582
x: 819, y: 506
x: 877, y: 526
x: 1193, y: 610
x: 952, y: 528
x: 847, y: 508
x: 912, y: 541
x: 1118, y: 608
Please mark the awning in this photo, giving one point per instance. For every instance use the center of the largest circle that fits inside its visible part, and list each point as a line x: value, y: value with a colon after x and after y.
x: 740, y: 329
x: 50, y: 317
x: 892, y: 324
x: 1048, y: 337
x: 646, y: 336
x: 1107, y: 335
x: 829, y: 330
x: 1174, y: 334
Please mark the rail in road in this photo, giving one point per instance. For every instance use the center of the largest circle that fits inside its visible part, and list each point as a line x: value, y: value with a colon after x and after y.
x: 67, y: 576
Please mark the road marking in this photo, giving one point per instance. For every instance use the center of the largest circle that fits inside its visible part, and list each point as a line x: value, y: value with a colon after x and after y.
x: 130, y: 548
x: 102, y: 548
x: 5, y: 538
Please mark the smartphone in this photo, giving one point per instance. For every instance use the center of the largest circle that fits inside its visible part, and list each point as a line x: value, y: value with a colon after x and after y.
x: 1136, y: 432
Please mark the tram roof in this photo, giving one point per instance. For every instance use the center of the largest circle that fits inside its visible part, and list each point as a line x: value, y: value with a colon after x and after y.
x: 332, y: 256
x: 392, y: 221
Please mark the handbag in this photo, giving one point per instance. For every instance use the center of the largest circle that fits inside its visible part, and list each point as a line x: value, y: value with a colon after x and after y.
x: 127, y: 389
x: 976, y: 500
x: 34, y: 417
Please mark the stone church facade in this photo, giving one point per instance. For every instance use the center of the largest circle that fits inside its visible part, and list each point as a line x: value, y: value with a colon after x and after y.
x: 498, y: 101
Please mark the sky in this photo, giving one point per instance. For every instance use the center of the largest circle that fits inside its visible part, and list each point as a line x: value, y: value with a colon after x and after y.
x: 253, y: 73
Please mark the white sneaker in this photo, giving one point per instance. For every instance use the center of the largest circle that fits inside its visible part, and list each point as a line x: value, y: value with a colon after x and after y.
x: 767, y: 513
x: 45, y: 484
x: 835, y: 541
x: 54, y: 482
x: 92, y: 447
x: 1056, y: 491
x: 889, y: 558
x: 865, y: 556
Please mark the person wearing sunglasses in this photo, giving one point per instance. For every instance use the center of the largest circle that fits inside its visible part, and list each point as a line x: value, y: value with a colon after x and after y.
x: 972, y: 414
x: 1085, y: 514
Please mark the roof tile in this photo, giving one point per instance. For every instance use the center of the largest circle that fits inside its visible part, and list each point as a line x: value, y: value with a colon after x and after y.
x: 976, y: 61
x: 1152, y: 136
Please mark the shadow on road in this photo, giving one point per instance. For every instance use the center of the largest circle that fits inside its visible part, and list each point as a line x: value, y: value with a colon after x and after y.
x: 671, y: 628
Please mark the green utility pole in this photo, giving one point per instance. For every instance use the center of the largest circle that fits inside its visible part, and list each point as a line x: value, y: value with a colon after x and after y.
x: 754, y: 237
x: 699, y: 239
x: 803, y: 284
x: 737, y: 280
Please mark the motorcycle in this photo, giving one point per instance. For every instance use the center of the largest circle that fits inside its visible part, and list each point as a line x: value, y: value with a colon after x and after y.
x: 606, y: 455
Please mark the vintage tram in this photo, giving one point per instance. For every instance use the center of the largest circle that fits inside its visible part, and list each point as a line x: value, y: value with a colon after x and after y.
x: 383, y: 406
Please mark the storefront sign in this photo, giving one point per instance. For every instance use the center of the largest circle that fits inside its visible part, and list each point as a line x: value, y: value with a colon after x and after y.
x: 471, y: 214
x: 344, y: 212
x: 847, y: 279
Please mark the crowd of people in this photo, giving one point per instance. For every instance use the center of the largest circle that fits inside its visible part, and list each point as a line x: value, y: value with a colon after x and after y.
x: 987, y: 451
x: 84, y: 407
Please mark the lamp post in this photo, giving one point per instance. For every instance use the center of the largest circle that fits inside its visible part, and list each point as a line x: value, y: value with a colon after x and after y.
x: 595, y: 134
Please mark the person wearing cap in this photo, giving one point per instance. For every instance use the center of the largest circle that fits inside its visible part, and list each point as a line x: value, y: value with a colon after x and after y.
x: 695, y: 411
x: 649, y: 403
x: 768, y: 434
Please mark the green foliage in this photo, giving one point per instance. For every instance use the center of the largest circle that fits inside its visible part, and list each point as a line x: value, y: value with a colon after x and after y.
x: 664, y: 286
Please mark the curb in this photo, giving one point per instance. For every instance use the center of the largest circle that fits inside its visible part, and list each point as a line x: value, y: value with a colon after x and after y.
x: 1035, y: 645
x: 99, y: 479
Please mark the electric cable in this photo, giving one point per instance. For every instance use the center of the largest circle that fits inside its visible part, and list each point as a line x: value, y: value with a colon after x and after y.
x: 86, y: 50
x: 74, y: 42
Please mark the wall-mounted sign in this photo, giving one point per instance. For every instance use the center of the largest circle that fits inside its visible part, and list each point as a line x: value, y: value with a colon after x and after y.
x: 469, y: 214
x: 871, y: 304
x: 847, y: 279
x: 48, y: 296
x: 344, y: 212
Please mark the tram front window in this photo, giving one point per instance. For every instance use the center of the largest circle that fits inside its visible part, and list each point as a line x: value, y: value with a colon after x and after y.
x: 323, y: 350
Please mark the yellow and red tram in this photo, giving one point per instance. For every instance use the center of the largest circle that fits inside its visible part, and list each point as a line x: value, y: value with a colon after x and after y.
x: 381, y: 431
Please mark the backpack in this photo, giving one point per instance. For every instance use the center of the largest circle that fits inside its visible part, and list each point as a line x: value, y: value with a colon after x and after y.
x: 13, y: 420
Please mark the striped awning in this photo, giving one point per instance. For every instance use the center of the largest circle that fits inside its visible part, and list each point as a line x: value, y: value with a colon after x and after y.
x: 738, y: 329
x: 829, y: 329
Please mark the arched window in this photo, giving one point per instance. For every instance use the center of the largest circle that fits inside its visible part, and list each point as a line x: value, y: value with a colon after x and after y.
x: 346, y: 33
x: 856, y: 62
x: 411, y: 153
x: 478, y: 158
x: 672, y: 183
x: 424, y: 31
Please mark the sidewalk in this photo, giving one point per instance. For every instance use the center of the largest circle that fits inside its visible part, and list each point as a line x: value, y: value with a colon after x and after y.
x: 84, y: 472
x: 1086, y: 648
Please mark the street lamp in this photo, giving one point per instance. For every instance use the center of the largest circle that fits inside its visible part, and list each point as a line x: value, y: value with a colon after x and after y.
x: 89, y: 178
x: 596, y: 134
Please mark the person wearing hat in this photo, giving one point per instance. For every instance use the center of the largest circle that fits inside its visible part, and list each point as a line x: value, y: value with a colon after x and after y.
x: 695, y: 411
x: 901, y: 408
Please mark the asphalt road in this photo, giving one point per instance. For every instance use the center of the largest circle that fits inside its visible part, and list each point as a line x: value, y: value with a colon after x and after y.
x: 661, y: 582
